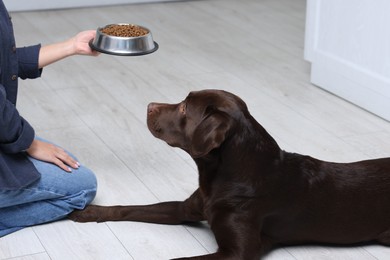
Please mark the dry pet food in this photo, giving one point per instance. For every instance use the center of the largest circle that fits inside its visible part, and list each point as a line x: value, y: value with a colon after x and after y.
x: 124, y: 30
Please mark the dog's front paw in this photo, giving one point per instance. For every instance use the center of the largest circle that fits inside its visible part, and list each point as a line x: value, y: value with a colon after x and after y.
x: 89, y: 214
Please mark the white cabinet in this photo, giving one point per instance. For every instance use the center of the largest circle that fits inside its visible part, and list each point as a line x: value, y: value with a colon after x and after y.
x: 348, y: 45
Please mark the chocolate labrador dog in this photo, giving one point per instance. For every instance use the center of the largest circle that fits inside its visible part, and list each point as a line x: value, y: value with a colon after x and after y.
x: 253, y: 194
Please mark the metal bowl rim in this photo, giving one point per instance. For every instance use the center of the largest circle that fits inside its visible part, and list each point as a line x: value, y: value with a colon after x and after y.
x: 96, y: 48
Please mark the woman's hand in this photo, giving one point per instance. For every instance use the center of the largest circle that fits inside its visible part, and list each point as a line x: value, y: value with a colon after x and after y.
x: 77, y: 45
x: 80, y: 43
x: 50, y: 153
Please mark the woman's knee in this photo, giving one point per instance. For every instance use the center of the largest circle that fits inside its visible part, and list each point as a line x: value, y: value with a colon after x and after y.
x: 80, y: 182
x: 86, y: 182
x: 80, y: 187
x: 85, y: 177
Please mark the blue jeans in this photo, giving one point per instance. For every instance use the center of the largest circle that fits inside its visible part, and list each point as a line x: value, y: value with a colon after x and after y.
x: 56, y: 194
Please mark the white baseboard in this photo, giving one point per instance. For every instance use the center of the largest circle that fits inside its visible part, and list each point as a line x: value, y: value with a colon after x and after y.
x: 23, y: 5
x: 362, y: 93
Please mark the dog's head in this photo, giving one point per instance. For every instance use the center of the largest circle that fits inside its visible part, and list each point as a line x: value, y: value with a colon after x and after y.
x: 198, y: 124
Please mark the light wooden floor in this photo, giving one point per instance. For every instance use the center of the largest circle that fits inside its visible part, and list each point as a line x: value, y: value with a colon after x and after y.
x: 96, y: 107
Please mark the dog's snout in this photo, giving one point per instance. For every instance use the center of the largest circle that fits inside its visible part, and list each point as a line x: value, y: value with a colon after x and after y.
x: 152, y: 107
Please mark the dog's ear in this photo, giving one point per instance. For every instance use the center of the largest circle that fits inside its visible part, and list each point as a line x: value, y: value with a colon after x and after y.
x: 210, y: 134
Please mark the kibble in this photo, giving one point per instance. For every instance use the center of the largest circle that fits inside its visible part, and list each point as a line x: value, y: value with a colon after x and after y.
x: 124, y: 30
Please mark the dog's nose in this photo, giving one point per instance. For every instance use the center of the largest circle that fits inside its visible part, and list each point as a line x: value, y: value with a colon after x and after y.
x: 152, y: 108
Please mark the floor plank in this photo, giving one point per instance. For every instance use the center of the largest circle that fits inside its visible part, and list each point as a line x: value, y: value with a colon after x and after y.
x: 10, y: 246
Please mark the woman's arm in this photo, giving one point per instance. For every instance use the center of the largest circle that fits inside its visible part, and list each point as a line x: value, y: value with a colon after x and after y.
x: 78, y: 44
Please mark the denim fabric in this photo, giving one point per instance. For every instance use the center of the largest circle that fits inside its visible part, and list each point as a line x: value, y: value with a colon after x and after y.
x: 56, y: 194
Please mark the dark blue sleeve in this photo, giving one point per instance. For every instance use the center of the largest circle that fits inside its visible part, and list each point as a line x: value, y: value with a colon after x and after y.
x: 16, y: 134
x: 28, y: 62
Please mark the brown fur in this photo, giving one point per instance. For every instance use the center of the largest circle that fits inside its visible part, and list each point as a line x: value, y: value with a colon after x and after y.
x: 253, y: 194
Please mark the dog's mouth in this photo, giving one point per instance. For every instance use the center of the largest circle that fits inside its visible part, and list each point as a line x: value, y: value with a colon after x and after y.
x: 154, y: 127
x: 159, y: 132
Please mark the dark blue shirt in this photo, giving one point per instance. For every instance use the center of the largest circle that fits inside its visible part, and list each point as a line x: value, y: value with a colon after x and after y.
x: 16, y: 134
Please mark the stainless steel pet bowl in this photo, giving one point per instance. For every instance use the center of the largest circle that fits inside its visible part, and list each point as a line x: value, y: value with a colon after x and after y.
x: 123, y: 46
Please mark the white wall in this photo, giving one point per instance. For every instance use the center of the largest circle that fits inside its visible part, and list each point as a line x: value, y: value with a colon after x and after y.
x: 348, y: 45
x: 23, y: 5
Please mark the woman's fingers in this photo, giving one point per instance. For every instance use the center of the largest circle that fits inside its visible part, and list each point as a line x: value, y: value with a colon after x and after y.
x: 50, y: 153
x: 64, y: 160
